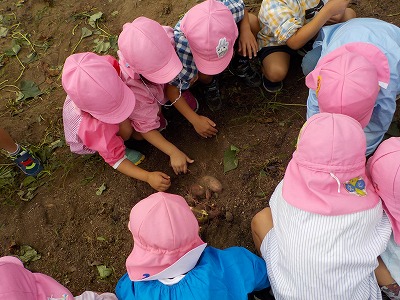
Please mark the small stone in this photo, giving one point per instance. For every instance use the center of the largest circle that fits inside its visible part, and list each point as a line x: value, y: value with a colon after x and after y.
x: 229, y: 216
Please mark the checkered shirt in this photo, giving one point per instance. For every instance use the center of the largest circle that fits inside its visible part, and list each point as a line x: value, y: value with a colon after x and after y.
x: 185, y: 54
x: 280, y: 19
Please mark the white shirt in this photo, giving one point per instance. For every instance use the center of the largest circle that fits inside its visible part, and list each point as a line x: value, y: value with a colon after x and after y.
x: 311, y: 256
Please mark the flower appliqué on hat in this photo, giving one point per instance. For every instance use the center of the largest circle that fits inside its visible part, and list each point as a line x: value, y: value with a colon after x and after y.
x: 356, y: 186
x: 222, y: 47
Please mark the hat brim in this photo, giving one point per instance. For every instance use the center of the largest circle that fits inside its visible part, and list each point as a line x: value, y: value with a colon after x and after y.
x: 142, y: 264
x: 212, y: 67
x: 167, y: 73
x: 123, y: 111
x: 317, y: 192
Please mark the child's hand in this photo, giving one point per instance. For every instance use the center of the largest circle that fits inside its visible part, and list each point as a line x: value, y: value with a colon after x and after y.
x: 205, y: 127
x: 336, y: 7
x: 159, y: 181
x: 247, y: 44
x: 179, y: 162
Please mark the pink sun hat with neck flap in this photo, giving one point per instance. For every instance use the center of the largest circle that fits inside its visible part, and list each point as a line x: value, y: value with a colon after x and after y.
x: 94, y: 85
x: 166, y: 238
x: 326, y: 175
x: 384, y: 169
x: 145, y: 48
x: 18, y: 283
x: 211, y: 31
x: 347, y: 80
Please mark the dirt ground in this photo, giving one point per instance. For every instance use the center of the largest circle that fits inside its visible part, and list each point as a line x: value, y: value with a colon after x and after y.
x: 60, y: 215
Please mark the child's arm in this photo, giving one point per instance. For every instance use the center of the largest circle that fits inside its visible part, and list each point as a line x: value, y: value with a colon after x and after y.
x: 103, y: 138
x: 247, y: 41
x: 179, y: 159
x: 308, y: 31
x: 203, y: 125
x: 157, y: 180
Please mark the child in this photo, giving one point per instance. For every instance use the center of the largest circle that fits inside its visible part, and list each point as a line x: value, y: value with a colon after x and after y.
x: 21, y: 156
x: 204, y: 41
x: 287, y: 26
x: 325, y: 228
x: 374, y: 45
x: 18, y: 283
x: 148, y: 61
x: 384, y: 169
x: 97, y: 117
x: 170, y: 261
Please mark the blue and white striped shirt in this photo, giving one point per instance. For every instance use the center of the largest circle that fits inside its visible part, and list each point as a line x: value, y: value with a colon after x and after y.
x: 311, y: 256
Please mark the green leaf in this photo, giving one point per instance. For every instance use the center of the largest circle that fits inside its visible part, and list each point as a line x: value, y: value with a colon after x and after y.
x: 13, y: 51
x: 27, y: 254
x: 3, y: 31
x: 30, y: 58
x: 29, y: 89
x: 101, y: 189
x: 86, y: 32
x: 101, y: 46
x: 56, y: 144
x: 230, y: 158
x: 94, y: 18
x: 101, y: 239
x: 104, y: 272
x: 28, y: 180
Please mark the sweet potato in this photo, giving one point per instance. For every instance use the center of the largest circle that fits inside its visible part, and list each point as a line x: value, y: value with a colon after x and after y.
x: 212, y: 183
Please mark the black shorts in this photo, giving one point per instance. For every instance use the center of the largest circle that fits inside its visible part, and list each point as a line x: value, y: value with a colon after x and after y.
x: 264, y: 52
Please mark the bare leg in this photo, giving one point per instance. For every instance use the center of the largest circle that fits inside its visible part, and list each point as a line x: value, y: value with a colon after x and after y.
x: 382, y: 274
x: 275, y: 66
x: 206, y: 79
x: 6, y: 142
x: 261, y: 224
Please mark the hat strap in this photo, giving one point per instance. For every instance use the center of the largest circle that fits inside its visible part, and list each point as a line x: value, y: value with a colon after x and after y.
x: 337, y: 180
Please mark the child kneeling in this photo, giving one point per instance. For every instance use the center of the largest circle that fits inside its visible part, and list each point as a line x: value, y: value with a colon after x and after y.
x: 170, y: 261
x: 325, y: 226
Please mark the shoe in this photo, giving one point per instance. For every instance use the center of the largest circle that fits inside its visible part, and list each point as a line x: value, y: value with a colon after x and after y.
x: 272, y: 87
x: 243, y: 69
x: 28, y: 164
x: 163, y: 122
x: 134, y: 156
x: 212, y: 95
x: 392, y: 291
x: 191, y: 100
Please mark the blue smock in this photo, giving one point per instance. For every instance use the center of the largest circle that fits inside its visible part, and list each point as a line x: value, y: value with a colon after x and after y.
x: 227, y: 274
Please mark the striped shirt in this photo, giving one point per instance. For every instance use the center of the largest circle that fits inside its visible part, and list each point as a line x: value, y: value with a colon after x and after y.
x: 311, y: 256
x: 182, y: 48
x: 280, y: 19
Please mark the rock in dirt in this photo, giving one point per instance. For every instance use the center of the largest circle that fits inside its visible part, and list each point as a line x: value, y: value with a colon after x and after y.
x: 229, y: 216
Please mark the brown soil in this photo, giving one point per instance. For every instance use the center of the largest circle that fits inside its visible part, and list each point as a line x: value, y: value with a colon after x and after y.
x: 66, y: 222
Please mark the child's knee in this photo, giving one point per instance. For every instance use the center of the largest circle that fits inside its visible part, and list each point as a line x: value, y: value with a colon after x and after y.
x: 349, y: 13
x: 275, y: 73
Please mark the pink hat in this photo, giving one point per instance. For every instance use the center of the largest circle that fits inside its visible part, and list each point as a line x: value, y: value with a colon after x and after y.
x: 146, y: 49
x: 211, y: 31
x: 347, y: 80
x: 384, y: 169
x: 18, y: 283
x: 326, y: 175
x: 96, y: 88
x: 166, y: 238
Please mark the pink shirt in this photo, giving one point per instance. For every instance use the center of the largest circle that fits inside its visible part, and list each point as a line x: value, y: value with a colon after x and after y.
x: 86, y: 135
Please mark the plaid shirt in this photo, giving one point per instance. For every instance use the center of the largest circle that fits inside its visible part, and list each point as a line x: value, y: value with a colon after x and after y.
x: 185, y: 54
x: 280, y: 19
